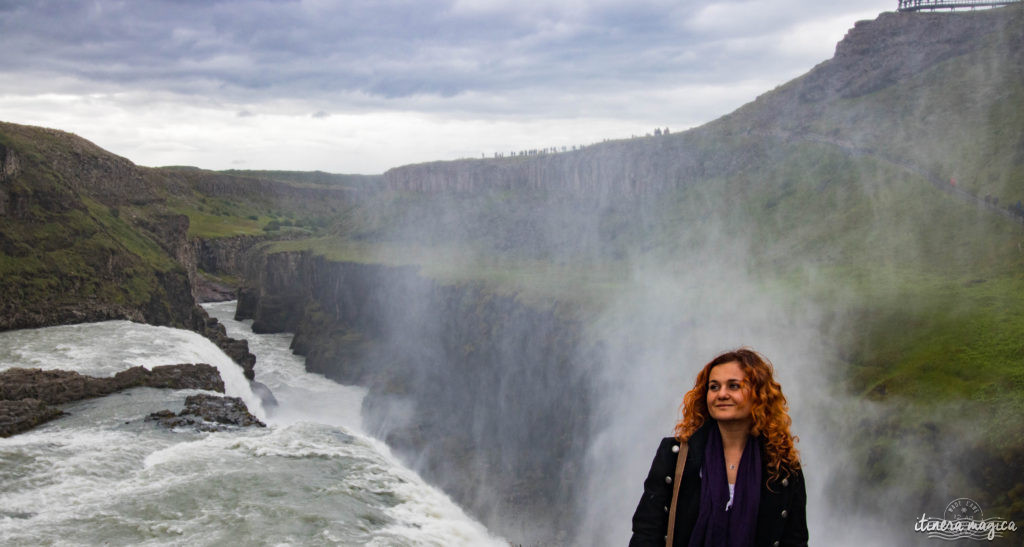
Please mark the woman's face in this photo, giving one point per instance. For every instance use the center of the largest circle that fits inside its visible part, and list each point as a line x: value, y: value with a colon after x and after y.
x: 728, y: 393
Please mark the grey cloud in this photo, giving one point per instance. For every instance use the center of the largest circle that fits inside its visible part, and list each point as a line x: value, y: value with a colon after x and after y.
x: 393, y: 50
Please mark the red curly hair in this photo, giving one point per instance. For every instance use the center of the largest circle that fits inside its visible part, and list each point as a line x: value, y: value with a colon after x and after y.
x: 769, y: 409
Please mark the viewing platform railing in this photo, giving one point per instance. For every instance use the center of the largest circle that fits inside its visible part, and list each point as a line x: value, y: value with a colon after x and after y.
x: 918, y: 5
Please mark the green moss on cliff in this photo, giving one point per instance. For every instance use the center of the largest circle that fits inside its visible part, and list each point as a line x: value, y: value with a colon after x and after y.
x: 79, y: 259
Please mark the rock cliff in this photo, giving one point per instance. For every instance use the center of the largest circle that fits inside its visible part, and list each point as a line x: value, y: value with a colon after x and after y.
x: 614, y: 168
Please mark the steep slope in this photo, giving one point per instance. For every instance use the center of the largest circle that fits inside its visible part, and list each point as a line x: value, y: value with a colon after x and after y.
x: 936, y: 93
x: 68, y: 253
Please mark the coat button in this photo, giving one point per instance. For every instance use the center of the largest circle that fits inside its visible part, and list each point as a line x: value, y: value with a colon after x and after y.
x: 675, y: 448
x: 785, y: 482
x: 668, y: 479
x: 784, y: 513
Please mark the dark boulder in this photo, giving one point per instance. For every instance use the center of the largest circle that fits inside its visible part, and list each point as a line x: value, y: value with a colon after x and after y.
x: 208, y: 413
x: 199, y: 376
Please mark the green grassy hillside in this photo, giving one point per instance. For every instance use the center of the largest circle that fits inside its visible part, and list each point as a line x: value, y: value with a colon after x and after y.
x: 64, y: 253
x: 87, y: 235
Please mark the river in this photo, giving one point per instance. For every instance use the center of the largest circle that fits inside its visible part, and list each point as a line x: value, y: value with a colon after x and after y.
x: 102, y: 474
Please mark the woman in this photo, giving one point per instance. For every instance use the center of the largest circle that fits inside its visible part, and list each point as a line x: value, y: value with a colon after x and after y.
x: 741, y: 483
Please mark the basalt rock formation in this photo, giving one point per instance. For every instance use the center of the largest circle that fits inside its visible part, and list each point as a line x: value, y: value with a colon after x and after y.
x: 29, y: 397
x: 207, y: 413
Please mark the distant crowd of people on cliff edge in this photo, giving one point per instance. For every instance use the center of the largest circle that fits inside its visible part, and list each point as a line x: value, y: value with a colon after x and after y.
x: 658, y: 132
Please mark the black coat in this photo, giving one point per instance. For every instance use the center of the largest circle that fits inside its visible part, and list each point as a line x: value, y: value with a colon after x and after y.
x: 781, y: 514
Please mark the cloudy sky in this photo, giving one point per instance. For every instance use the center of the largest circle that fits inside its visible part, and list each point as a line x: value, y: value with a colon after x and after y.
x: 362, y: 86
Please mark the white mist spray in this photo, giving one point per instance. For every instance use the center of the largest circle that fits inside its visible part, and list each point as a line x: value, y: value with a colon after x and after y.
x: 658, y: 335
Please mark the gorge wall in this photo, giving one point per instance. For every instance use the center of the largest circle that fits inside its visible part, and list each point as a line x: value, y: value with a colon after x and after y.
x: 483, y: 395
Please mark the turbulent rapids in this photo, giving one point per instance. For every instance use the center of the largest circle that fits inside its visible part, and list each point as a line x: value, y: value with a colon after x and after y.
x: 104, y: 475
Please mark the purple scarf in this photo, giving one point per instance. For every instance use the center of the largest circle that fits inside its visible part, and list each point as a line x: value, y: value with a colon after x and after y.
x: 736, y: 527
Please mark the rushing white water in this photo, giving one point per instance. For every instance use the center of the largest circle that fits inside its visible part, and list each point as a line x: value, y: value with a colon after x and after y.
x: 302, y: 396
x: 104, y: 475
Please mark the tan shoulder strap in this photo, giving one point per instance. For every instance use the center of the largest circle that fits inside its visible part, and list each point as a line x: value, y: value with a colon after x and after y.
x: 680, y: 464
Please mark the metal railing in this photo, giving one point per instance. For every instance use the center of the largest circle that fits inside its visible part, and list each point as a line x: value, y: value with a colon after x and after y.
x: 918, y: 5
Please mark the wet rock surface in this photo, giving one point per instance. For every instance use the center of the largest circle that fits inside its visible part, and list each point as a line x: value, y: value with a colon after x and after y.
x: 28, y: 396
x: 207, y: 413
x: 237, y: 350
x: 64, y: 386
x: 24, y: 414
